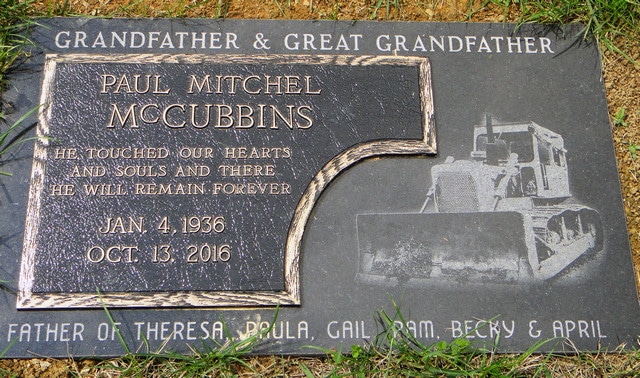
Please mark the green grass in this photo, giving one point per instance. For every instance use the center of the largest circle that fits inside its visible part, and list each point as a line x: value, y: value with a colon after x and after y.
x: 386, y: 4
x: 620, y: 117
x: 204, y: 361
x: 13, y: 21
x: 12, y: 136
x: 615, y: 24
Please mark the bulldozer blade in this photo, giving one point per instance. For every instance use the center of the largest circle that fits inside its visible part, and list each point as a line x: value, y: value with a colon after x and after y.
x: 419, y: 249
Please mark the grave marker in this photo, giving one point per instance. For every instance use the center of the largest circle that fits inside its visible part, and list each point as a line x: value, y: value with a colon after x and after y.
x: 206, y: 179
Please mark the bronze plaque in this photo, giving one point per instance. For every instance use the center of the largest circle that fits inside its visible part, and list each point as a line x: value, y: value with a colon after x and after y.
x: 187, y: 180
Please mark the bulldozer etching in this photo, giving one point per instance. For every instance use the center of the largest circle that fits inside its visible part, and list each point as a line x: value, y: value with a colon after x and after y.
x: 504, y: 216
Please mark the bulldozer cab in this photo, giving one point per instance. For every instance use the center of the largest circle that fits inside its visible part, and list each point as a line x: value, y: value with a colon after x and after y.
x: 537, y: 153
x: 498, y: 152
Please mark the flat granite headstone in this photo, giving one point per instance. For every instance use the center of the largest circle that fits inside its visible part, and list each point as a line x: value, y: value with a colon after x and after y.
x: 193, y: 181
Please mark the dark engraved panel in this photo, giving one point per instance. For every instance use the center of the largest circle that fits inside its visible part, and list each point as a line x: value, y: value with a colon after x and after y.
x: 160, y: 174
